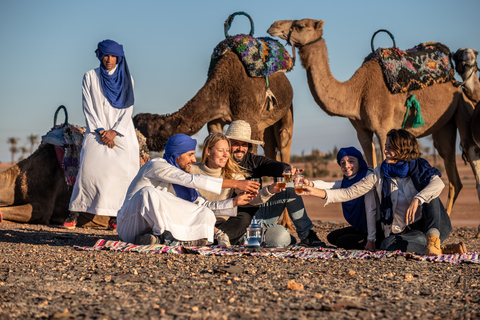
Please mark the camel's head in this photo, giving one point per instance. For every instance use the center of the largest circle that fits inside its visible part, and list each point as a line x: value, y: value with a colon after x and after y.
x: 297, y: 32
x: 155, y: 129
x: 465, y: 59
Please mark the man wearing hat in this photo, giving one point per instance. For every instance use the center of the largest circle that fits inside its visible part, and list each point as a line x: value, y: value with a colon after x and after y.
x: 162, y: 203
x: 239, y: 133
x: 109, y: 158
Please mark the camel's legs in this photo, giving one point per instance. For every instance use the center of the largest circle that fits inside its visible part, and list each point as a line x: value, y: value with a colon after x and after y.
x: 271, y: 141
x: 365, y: 138
x: 444, y: 141
x: 284, y: 141
x: 17, y: 213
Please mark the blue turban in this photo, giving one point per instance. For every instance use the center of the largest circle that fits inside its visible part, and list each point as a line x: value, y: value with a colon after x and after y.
x: 176, y: 146
x: 118, y: 87
x: 354, y: 210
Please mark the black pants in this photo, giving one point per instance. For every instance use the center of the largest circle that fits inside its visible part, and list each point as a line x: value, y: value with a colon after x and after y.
x: 352, y: 239
x: 235, y: 227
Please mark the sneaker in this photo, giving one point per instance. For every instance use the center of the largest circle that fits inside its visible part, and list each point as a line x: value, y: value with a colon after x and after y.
x: 222, y: 238
x: 312, y: 240
x: 112, y: 224
x: 454, y: 248
x: 69, y: 225
x: 146, y: 239
x: 433, y: 246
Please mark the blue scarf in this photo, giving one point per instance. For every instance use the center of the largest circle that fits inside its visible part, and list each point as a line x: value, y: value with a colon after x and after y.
x: 117, y: 87
x: 176, y: 146
x: 420, y: 171
x: 354, y: 210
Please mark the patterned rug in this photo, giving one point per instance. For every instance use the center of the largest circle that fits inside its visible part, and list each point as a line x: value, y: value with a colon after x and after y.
x: 261, y: 57
x: 424, y: 65
x: 288, y: 252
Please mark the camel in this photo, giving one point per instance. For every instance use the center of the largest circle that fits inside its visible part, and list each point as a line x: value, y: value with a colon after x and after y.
x: 35, y: 190
x: 370, y: 106
x: 466, y: 65
x: 229, y: 94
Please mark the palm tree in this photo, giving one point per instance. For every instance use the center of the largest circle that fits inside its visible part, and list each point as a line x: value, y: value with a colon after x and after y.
x: 24, y: 151
x: 13, y: 149
x: 33, y: 138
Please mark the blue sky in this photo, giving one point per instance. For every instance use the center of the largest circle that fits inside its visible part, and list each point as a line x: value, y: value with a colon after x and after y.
x: 47, y: 46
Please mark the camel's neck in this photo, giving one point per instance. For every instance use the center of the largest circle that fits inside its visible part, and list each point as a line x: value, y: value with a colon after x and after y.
x: 205, y: 106
x: 334, y: 97
x: 472, y: 88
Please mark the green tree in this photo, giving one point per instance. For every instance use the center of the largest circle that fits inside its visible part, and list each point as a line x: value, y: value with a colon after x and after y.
x: 13, y: 149
x: 33, y: 139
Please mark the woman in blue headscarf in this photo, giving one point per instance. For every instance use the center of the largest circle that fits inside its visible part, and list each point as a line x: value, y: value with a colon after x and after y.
x: 110, y: 154
x: 408, y: 188
x: 360, y: 213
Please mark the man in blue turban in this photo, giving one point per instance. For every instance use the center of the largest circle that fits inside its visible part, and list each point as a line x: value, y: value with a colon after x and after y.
x: 110, y: 154
x: 163, y: 204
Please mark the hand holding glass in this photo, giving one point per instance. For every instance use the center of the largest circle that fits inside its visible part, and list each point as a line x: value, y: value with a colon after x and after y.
x: 298, y: 183
x: 281, y: 184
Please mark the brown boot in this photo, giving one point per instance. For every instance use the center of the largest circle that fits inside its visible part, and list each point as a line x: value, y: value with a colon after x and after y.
x: 454, y: 248
x: 433, y: 246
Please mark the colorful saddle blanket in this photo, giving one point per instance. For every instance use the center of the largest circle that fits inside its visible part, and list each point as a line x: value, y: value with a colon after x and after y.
x: 422, y: 66
x: 261, y: 57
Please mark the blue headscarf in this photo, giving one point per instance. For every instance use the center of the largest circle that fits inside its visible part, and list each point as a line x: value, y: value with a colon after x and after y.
x: 354, y: 210
x: 176, y: 146
x: 118, y: 87
x: 420, y: 171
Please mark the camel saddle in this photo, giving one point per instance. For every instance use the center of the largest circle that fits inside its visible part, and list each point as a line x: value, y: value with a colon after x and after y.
x: 424, y: 65
x: 261, y: 57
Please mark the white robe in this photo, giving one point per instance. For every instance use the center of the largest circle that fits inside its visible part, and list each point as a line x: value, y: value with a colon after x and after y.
x: 151, y: 203
x: 105, y: 173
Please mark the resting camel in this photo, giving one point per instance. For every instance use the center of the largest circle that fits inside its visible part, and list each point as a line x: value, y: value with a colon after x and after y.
x: 370, y: 106
x: 229, y: 94
x: 35, y: 191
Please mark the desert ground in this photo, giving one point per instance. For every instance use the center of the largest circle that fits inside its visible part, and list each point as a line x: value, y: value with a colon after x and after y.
x: 43, y: 276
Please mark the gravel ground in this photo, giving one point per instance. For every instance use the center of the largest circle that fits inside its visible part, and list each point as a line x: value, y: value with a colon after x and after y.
x: 43, y: 276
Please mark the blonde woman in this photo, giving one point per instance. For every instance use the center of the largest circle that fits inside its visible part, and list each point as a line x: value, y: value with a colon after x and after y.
x: 216, y: 162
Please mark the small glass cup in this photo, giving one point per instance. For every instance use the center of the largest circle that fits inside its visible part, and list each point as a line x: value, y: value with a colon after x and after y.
x: 256, y: 180
x: 287, y: 174
x: 298, y: 184
x: 280, y: 181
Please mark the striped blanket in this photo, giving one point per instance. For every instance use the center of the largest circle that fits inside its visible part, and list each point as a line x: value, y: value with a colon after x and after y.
x: 288, y: 252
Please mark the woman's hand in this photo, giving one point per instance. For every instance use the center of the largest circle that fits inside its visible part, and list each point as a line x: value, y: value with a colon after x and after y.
x: 247, y: 185
x: 244, y: 198
x: 370, y: 246
x: 410, y: 213
x: 311, y: 191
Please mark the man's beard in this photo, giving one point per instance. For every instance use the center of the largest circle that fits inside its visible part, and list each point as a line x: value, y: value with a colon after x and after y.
x: 235, y: 155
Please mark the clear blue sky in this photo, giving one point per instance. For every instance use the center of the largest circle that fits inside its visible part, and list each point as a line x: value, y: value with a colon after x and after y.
x: 46, y: 47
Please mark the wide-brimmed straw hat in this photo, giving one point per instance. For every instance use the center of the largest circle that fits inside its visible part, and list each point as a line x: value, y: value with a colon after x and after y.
x: 241, y: 130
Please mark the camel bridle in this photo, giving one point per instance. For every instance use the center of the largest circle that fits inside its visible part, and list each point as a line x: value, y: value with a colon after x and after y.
x: 298, y: 45
x: 474, y: 70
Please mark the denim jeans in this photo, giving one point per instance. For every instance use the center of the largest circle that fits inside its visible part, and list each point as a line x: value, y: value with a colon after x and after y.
x: 415, y: 240
x: 269, y: 212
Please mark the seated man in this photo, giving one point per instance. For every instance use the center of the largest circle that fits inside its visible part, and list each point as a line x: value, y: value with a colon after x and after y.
x: 162, y: 201
x: 239, y: 133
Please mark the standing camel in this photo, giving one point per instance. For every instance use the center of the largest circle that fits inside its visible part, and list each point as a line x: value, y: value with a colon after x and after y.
x: 229, y: 94
x: 370, y: 106
x: 466, y: 65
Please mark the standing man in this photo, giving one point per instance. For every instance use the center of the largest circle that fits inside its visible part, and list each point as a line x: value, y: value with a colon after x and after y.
x: 239, y: 133
x: 109, y: 159
x: 163, y: 205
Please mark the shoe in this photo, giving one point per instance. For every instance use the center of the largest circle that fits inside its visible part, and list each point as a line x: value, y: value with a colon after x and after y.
x: 454, y: 248
x: 433, y: 246
x: 69, y: 225
x: 312, y: 240
x: 112, y: 224
x: 222, y: 238
x: 146, y: 239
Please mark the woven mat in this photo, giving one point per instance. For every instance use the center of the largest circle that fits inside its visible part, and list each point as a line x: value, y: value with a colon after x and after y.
x: 289, y: 252
x: 261, y: 57
x: 424, y: 65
